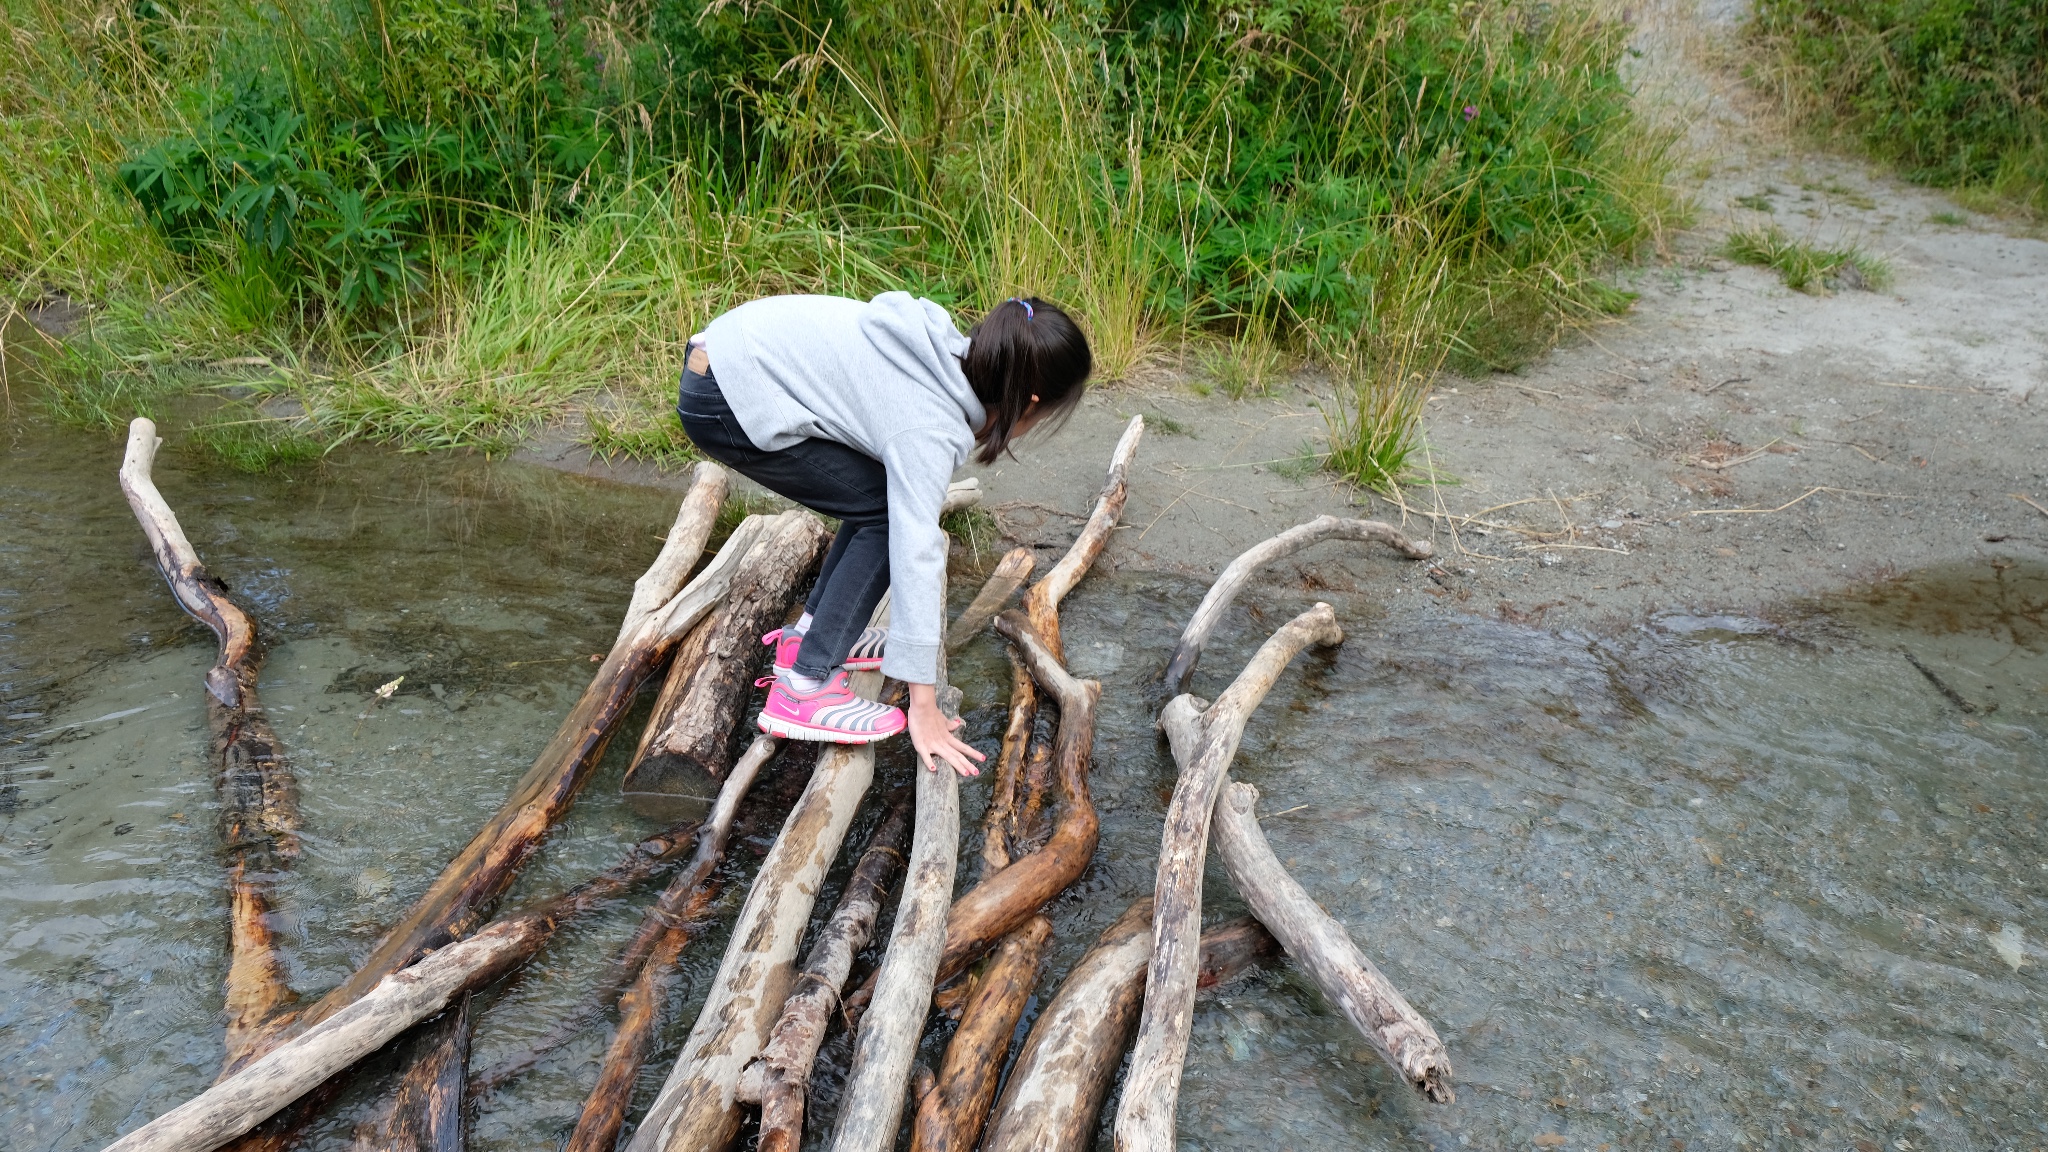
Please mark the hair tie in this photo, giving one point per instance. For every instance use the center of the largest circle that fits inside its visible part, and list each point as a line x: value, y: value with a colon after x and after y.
x: 1029, y: 312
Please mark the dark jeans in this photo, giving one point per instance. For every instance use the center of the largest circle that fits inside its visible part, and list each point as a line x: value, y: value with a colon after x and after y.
x: 828, y: 478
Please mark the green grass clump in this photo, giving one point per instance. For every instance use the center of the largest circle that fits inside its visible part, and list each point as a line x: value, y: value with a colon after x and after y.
x: 1805, y: 267
x: 661, y: 441
x: 1954, y: 93
x: 974, y: 528
x: 461, y: 219
x: 255, y: 444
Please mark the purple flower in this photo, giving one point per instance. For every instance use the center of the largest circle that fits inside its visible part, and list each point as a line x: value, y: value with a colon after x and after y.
x: 1470, y: 111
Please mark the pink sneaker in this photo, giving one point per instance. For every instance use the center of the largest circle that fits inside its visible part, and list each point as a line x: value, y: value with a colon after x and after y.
x: 865, y: 657
x: 832, y: 713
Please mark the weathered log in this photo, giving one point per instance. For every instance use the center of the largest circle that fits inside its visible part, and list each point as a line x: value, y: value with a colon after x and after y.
x: 996, y: 849
x: 242, y: 1100
x: 995, y: 907
x: 259, y: 817
x: 698, y: 1108
x: 1042, y: 603
x: 1315, y: 939
x: 1326, y: 951
x: 778, y: 1079
x: 872, y: 1102
x: 1145, y: 1117
x: 674, y: 917
x: 488, y: 864
x: 427, y: 1109
x: 690, y: 735
x: 951, y: 1115
x: 1064, y: 1071
x: 1008, y: 826
x: 1011, y: 572
x: 1233, y: 948
x: 1195, y: 636
x: 245, y: 1098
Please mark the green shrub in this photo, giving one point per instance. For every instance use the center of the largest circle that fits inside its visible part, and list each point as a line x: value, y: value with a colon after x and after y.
x: 1952, y: 92
x: 472, y: 213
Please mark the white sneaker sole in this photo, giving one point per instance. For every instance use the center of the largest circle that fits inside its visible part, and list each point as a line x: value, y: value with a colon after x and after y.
x: 791, y: 730
x: 850, y: 666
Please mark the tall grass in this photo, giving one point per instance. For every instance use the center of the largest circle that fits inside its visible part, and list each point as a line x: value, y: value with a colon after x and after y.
x: 450, y: 221
x: 1954, y: 93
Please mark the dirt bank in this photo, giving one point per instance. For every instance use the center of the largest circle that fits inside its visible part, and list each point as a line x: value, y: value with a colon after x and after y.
x: 1638, y: 467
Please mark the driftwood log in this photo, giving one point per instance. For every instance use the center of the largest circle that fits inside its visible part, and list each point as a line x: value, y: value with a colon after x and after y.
x: 951, y: 1115
x: 690, y: 735
x: 673, y: 914
x: 996, y: 825
x: 1233, y: 948
x: 1064, y: 1071
x: 1010, y: 573
x: 667, y: 929
x: 1145, y: 1117
x: 1005, y: 900
x: 779, y: 1077
x: 871, y: 1103
x: 1007, y: 831
x: 489, y: 863
x: 698, y: 1108
x: 259, y: 817
x: 426, y: 1111
x: 307, y: 1059
x: 1232, y: 581
x: 1324, y: 950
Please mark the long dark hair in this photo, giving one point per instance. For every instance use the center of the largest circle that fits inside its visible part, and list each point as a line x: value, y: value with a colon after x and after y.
x: 1021, y: 349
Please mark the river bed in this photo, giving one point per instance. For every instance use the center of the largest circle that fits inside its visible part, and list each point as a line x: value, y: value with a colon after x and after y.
x: 1731, y: 881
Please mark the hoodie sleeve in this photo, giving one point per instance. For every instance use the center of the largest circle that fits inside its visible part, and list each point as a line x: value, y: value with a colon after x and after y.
x: 920, y: 464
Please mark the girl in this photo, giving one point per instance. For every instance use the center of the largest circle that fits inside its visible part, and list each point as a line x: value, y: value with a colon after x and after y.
x: 862, y: 411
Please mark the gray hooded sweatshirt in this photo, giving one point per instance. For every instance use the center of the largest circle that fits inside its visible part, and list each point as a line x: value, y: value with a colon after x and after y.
x: 883, y: 377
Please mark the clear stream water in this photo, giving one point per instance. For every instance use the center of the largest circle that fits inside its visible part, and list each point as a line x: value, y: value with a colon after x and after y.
x: 1707, y: 882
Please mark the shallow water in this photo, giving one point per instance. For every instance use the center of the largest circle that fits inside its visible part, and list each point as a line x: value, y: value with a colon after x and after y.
x: 1734, y: 882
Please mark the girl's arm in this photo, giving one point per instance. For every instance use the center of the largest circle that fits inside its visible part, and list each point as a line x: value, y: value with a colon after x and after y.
x: 919, y: 463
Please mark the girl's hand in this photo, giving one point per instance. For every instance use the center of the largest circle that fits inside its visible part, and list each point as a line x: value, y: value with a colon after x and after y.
x: 931, y: 733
